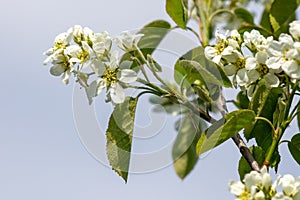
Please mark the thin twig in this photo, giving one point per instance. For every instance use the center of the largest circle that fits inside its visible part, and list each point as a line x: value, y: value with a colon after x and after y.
x: 238, y: 140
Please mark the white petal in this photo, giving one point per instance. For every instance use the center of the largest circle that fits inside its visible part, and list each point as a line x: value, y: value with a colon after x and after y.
x: 290, y: 67
x: 87, y: 33
x: 74, y: 60
x: 210, y: 52
x: 228, y: 51
x: 57, y: 69
x: 47, y: 60
x: 233, y: 43
x: 94, y: 89
x: 242, y: 77
x: 288, y: 182
x: 87, y: 48
x: 253, y: 75
x: 119, y: 43
x: 236, y: 188
x: 250, y: 63
x: 101, y: 86
x: 65, y: 78
x: 275, y: 49
x: 91, y: 91
x: 286, y: 40
x: 271, y: 80
x: 266, y: 180
x: 128, y: 76
x: 114, y: 60
x: 137, y: 38
x: 235, y: 35
x: 73, y: 51
x: 233, y: 56
x: 117, y: 93
x: 295, y: 29
x: 126, y: 41
x: 230, y: 69
x: 252, y: 179
x: 77, y: 32
x: 261, y: 57
x: 217, y: 59
x: 98, y: 67
x: 82, y: 79
x: 273, y: 63
x: 292, y: 53
x: 259, y: 196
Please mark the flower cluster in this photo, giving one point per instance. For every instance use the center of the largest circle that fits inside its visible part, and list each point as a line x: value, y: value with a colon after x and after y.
x: 258, y: 186
x: 83, y: 53
x: 269, y: 59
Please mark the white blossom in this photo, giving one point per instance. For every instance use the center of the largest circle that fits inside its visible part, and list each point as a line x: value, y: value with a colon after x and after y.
x: 127, y: 41
x: 258, y: 186
x: 236, y: 187
x: 259, y: 196
x: 111, y: 77
x: 245, y: 77
x: 225, y: 48
x: 281, y: 196
x: 295, y: 29
x: 255, y: 41
x: 290, y: 186
x: 77, y: 33
x: 277, y: 51
x: 101, y: 43
x: 259, y: 64
x: 292, y: 69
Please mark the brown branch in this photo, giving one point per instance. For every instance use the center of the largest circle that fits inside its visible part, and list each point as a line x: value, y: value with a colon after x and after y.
x: 246, y: 152
x: 238, y: 140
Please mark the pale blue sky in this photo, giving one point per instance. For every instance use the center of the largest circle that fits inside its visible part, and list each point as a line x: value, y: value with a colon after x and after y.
x: 41, y: 154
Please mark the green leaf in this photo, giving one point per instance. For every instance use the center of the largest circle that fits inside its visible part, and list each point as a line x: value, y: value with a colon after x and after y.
x: 224, y: 129
x: 275, y: 160
x: 294, y: 147
x: 203, y: 93
x: 275, y: 25
x: 178, y: 11
x: 196, y: 71
x: 164, y: 105
x: 244, y: 15
x: 154, y: 33
x: 119, y: 136
x: 184, y: 149
x: 263, y: 103
x: 244, y: 168
x: 281, y: 13
x: 298, y: 116
x: 153, y: 64
x: 265, y: 19
x: 197, y: 55
x: 242, y: 101
x: 250, y: 27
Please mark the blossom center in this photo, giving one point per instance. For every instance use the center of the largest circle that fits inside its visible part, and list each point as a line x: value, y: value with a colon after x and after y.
x: 240, y: 63
x: 110, y: 76
x: 221, y: 46
x: 263, y: 69
x: 83, y: 55
x: 59, y: 44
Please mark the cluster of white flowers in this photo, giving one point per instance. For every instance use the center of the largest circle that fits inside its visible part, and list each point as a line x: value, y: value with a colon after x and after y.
x: 270, y: 59
x: 83, y: 53
x: 258, y: 186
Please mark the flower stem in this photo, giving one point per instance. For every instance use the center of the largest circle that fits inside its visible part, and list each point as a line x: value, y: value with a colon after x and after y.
x: 283, y: 125
x: 238, y: 140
